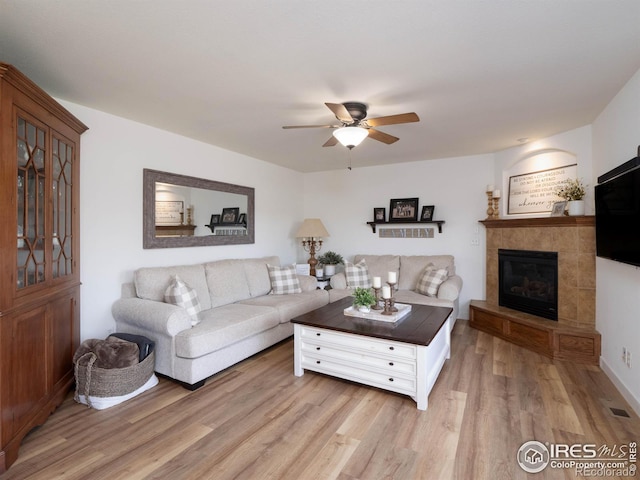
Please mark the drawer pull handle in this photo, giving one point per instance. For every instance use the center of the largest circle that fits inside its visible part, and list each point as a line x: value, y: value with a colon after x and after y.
x: 318, y: 362
x: 317, y: 348
x: 391, y: 348
x: 391, y: 379
x: 391, y: 364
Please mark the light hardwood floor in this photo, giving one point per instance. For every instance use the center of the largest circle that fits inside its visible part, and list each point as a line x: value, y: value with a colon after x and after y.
x: 257, y: 420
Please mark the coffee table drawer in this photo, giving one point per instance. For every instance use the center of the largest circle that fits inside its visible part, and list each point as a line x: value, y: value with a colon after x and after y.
x: 396, y: 383
x: 381, y: 363
x: 317, y: 336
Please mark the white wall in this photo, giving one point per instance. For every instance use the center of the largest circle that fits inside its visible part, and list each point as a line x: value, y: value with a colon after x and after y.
x: 575, y: 142
x: 114, y: 151
x: 345, y: 200
x: 615, y: 140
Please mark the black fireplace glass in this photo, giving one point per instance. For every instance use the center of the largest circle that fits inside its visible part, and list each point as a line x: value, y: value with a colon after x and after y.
x: 528, y: 282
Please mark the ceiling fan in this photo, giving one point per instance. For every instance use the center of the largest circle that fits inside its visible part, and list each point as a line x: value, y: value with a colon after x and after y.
x: 355, y: 126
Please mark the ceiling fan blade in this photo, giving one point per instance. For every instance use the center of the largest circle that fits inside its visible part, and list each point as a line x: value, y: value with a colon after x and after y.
x: 340, y: 112
x: 393, y: 119
x: 382, y: 137
x: 311, y: 126
x: 331, y: 142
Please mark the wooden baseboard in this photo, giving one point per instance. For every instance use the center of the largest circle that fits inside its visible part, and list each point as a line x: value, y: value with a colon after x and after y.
x: 535, y: 333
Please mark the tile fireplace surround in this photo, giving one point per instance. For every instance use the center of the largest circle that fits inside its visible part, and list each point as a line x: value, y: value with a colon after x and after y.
x: 573, y: 336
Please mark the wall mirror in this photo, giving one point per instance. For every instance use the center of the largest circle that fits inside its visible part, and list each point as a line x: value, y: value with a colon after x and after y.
x: 183, y: 211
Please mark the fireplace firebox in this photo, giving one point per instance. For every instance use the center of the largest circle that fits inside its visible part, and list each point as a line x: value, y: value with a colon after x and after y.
x: 528, y: 282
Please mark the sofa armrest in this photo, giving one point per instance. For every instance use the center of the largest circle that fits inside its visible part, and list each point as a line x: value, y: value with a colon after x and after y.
x: 308, y: 283
x: 338, y: 281
x: 163, y: 318
x: 450, y: 288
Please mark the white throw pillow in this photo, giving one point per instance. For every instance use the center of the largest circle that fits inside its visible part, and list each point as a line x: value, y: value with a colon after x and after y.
x: 431, y: 279
x: 182, y: 295
x: 357, y: 275
x: 284, y: 280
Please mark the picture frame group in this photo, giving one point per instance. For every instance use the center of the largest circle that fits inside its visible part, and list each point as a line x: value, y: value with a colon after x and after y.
x: 229, y: 216
x: 403, y: 210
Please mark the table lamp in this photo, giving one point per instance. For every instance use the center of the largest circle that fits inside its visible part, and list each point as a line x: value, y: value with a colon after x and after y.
x: 311, y: 232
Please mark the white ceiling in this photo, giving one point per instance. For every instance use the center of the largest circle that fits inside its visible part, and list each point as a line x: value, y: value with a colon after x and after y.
x: 480, y: 74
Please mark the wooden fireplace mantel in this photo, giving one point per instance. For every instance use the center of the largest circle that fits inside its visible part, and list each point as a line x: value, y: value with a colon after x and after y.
x: 565, y: 221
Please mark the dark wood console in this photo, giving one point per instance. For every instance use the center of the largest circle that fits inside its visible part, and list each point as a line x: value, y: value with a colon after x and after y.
x: 543, y: 336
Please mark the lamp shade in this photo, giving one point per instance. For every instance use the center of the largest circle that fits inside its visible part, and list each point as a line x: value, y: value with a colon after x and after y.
x: 351, y: 136
x: 312, y: 228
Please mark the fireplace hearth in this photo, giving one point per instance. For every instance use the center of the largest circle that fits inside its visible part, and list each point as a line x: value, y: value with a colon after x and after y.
x: 528, y: 282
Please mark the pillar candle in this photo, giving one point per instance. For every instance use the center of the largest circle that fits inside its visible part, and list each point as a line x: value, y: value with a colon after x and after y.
x: 377, y: 282
x: 392, y: 277
x: 386, y: 291
x: 496, y: 194
x: 489, y: 188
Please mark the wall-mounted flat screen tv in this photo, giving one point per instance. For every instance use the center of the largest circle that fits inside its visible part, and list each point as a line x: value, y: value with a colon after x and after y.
x: 618, y: 213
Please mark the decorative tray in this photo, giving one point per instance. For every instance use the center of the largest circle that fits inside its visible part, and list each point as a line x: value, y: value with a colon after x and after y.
x: 403, y: 310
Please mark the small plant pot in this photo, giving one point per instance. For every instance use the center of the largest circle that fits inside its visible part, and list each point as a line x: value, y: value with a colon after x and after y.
x: 329, y: 270
x: 576, y: 208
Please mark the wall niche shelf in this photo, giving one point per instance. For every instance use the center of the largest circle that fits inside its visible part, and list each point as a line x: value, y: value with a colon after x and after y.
x: 438, y: 222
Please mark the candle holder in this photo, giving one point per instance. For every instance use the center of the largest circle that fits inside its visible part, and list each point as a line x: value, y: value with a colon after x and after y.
x: 189, y: 215
x: 392, y: 300
x: 490, y: 210
x: 495, y: 206
x: 387, y: 306
x: 376, y: 292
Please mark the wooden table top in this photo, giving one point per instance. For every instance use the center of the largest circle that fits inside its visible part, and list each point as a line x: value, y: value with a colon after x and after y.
x: 418, y: 327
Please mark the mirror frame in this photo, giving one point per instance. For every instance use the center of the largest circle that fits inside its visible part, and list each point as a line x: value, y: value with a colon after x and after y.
x: 149, y: 239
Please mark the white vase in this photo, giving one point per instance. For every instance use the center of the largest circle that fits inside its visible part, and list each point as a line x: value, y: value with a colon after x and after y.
x: 329, y: 270
x: 576, y: 208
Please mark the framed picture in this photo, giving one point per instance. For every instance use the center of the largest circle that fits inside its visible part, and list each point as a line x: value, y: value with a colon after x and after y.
x: 215, y: 219
x: 242, y: 218
x: 558, y: 209
x: 379, y: 214
x: 403, y: 210
x: 230, y: 216
x: 427, y: 213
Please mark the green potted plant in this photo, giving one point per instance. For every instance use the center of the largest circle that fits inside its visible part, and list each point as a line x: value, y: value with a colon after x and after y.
x: 363, y: 299
x: 573, y: 190
x: 329, y: 260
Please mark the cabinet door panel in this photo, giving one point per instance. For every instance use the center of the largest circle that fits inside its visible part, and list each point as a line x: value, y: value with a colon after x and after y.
x: 62, y: 320
x: 24, y: 353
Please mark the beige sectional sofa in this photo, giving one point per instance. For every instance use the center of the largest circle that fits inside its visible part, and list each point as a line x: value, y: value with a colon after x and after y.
x: 239, y: 316
x: 409, y: 269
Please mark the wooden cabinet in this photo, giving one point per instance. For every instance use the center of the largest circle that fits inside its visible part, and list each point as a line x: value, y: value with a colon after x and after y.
x: 40, y: 261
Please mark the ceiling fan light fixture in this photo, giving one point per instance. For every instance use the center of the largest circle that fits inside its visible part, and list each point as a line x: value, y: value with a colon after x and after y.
x: 351, y: 136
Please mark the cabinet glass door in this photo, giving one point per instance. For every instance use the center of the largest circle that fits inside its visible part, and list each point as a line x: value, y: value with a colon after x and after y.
x: 31, y: 153
x: 62, y: 207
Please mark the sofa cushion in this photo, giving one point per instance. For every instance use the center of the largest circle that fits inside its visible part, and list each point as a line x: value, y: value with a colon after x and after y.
x: 357, y: 275
x: 255, y: 269
x: 381, y: 265
x: 284, y: 280
x: 290, y: 306
x: 224, y: 326
x: 227, y: 282
x: 412, y: 268
x: 182, y: 295
x: 430, y: 281
x: 152, y: 282
x: 408, y: 296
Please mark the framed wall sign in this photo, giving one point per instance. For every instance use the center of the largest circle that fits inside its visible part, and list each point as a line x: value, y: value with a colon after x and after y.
x: 169, y: 213
x: 536, y: 192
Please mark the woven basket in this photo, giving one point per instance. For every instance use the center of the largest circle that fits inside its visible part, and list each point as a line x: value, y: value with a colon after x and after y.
x: 111, y: 382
